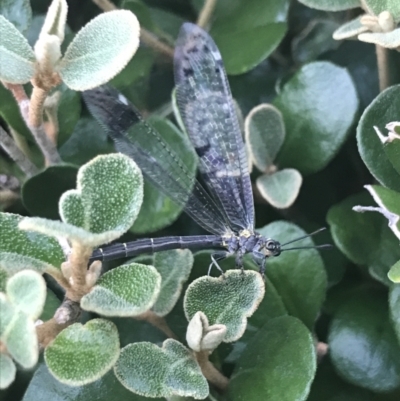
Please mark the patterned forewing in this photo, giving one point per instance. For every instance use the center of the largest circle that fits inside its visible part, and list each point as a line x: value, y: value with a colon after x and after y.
x: 162, y: 167
x: 206, y: 107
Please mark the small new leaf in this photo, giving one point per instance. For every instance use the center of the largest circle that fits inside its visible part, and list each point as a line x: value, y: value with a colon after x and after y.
x: 129, y: 290
x: 350, y: 29
x: 394, y: 272
x: 390, y: 40
x: 151, y: 371
x: 200, y: 336
x: 228, y: 300
x: 265, y: 132
x: 17, y: 59
x: 26, y: 290
x: 100, y: 50
x: 280, y: 189
x: 82, y: 354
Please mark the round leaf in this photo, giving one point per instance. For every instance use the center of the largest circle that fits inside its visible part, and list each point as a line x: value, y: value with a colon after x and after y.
x: 50, y: 306
x: 45, y: 387
x: 381, y: 111
x: 174, y: 267
x: 44, y: 251
x: 41, y: 193
x: 229, y: 299
x: 100, y: 50
x: 313, y: 133
x: 129, y: 290
x: 298, y: 276
x: 329, y: 5
x: 362, y: 343
x: 7, y: 371
x: 109, y: 186
x: 265, y: 132
x: 377, y: 6
x: 280, y: 189
x: 394, y: 304
x: 239, y: 25
x: 158, y: 210
x: 17, y: 60
x: 18, y: 334
x: 27, y: 291
x: 82, y: 354
x: 152, y: 371
x: 279, y: 363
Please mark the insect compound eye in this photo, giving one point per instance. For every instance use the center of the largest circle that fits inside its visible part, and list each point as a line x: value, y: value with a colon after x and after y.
x: 270, y: 245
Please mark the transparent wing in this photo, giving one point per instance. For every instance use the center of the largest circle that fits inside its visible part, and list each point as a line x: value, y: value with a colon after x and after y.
x: 206, y: 107
x: 135, y: 138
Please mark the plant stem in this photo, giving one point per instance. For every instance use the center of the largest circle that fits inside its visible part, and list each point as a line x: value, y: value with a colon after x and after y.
x: 211, y: 373
x: 206, y: 13
x: 78, y: 261
x: 8, y: 144
x: 382, y: 58
x: 47, y: 331
x: 146, y: 36
x: 46, y: 145
x: 157, y: 321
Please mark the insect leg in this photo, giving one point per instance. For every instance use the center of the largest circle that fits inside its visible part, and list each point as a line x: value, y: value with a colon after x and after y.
x: 215, y: 257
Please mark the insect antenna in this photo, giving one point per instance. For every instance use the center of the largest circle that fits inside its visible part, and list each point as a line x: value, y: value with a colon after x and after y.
x: 304, y: 236
x: 324, y: 246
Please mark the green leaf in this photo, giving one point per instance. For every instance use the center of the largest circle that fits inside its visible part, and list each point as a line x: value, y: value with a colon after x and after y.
x: 41, y: 193
x: 26, y: 290
x: 377, y: 6
x: 280, y: 189
x: 390, y: 40
x: 239, y: 25
x: 68, y: 114
x: 17, y: 60
x: 44, y: 252
x: 45, y: 387
x: 388, y: 202
x: 394, y: 305
x: 362, y: 343
x: 141, y: 11
x: 86, y: 142
x: 329, y: 5
x: 82, y: 354
x: 265, y: 133
x: 18, y: 334
x: 279, y: 362
x: 166, y: 24
x: 18, y: 12
x: 158, y: 210
x: 364, y: 237
x: 350, y: 29
x: 108, y: 186
x: 383, y: 109
x: 174, y: 267
x: 298, y: 276
x: 313, y: 133
x: 7, y: 371
x: 229, y: 299
x: 394, y: 272
x: 391, y: 145
x: 315, y: 40
x: 100, y: 50
x: 129, y: 290
x: 138, y: 67
x: 152, y: 371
